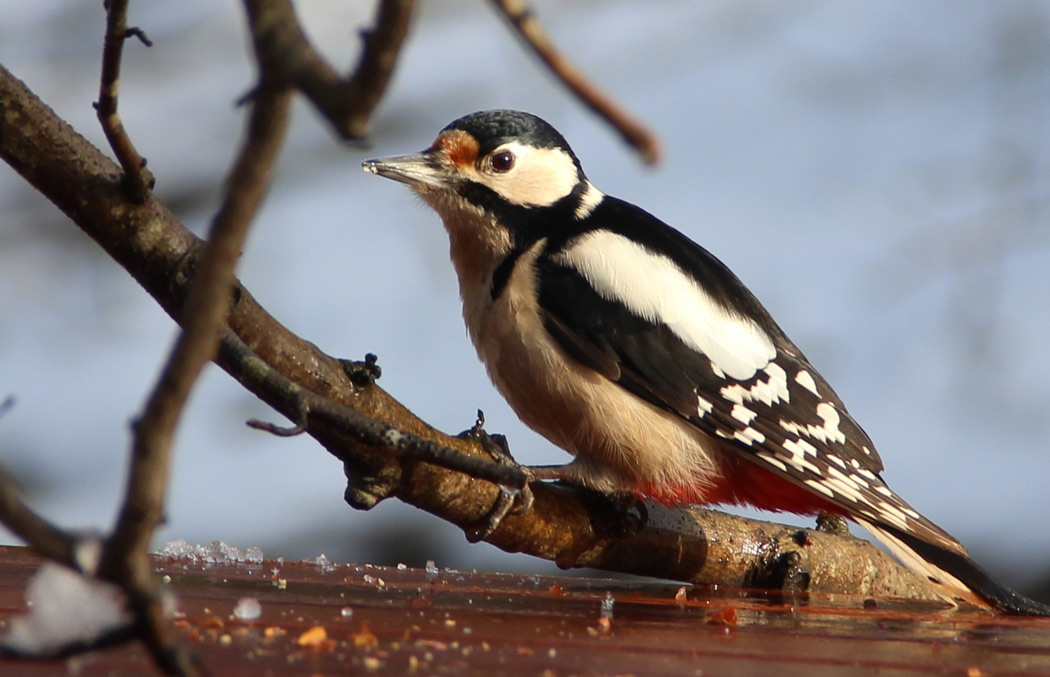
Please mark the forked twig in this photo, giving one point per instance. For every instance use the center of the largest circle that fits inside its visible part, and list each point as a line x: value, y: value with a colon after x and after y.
x: 137, y: 179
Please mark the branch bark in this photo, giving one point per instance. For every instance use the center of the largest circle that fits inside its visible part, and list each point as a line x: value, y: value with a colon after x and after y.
x: 346, y: 102
x: 521, y: 18
x: 138, y: 181
x: 564, y: 525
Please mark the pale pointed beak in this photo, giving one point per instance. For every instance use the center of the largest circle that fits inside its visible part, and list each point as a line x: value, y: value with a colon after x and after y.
x: 421, y: 169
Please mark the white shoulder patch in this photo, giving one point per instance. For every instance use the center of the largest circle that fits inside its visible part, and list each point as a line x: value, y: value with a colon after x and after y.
x: 656, y: 289
x: 588, y: 201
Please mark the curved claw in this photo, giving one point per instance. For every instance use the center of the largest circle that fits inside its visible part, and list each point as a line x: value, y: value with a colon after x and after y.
x: 505, y: 502
x: 523, y: 501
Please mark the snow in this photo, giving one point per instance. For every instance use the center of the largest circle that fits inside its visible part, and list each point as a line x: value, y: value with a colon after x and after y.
x: 65, y: 607
x: 247, y: 609
x: 217, y: 552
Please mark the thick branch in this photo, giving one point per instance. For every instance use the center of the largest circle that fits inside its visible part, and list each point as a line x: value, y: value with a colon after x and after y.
x: 147, y: 241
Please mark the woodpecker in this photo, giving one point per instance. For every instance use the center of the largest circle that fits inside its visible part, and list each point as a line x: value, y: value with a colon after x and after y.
x: 637, y: 351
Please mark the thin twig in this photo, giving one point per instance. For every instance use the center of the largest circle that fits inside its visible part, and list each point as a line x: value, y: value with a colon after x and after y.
x: 316, y: 410
x: 637, y: 135
x: 137, y: 179
x: 346, y: 102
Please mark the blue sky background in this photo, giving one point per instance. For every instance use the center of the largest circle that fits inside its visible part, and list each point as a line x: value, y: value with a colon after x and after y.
x: 878, y: 173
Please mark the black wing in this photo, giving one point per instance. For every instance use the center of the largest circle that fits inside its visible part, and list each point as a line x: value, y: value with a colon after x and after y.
x: 785, y: 417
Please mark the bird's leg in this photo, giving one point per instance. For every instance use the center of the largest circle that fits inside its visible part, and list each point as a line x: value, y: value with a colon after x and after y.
x: 510, y: 500
x: 613, y: 513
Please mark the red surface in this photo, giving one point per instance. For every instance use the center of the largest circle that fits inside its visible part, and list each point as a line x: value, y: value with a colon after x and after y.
x: 459, y: 623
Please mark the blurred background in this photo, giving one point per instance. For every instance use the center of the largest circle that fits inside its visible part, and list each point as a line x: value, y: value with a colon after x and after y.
x: 878, y: 173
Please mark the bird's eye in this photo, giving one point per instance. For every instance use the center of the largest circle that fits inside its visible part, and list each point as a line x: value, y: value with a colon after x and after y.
x: 502, y: 161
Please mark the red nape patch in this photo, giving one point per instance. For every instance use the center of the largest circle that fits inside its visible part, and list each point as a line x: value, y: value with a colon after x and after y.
x: 746, y: 483
x: 459, y: 147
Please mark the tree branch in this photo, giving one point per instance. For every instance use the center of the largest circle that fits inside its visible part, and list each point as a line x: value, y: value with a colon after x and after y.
x: 138, y: 180
x: 563, y: 525
x: 287, y: 55
x: 528, y: 28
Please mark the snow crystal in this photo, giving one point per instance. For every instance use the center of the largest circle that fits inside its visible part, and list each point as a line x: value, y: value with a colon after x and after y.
x: 431, y: 568
x: 247, y: 609
x: 216, y: 552
x: 607, y: 606
x: 324, y: 563
x: 66, y: 607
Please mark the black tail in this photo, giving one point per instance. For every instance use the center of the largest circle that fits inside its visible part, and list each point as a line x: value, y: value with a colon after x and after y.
x: 955, y: 571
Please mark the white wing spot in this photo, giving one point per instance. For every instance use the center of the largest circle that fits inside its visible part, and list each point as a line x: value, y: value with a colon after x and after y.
x: 845, y: 488
x: 800, y: 447
x: 774, y: 390
x: 798, y: 455
x: 743, y: 414
x: 768, y: 392
x: 852, y: 479
x: 819, y: 486
x: 747, y: 435
x: 827, y: 411
x: 734, y: 393
x: 703, y: 406
x: 805, y: 379
x: 867, y: 473
x: 892, y: 514
x: 772, y: 460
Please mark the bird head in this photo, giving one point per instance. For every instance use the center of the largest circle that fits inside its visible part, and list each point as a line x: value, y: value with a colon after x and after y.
x: 508, y: 164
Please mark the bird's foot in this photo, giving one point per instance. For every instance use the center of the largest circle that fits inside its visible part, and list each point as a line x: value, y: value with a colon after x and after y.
x: 362, y: 374
x: 511, y: 500
x: 830, y: 523
x: 617, y: 515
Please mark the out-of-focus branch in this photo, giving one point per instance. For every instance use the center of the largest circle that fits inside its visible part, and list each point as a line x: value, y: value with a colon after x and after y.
x: 203, y: 317
x: 126, y: 557
x: 346, y: 102
x: 564, y: 526
x: 138, y: 180
x: 528, y: 28
x: 44, y: 537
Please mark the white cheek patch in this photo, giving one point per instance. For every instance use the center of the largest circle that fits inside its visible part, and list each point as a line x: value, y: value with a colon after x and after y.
x: 656, y: 289
x: 539, y: 178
